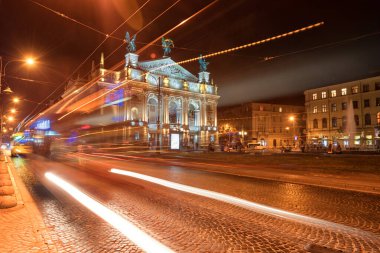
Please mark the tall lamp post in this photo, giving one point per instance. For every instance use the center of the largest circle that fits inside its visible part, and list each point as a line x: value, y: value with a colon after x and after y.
x: 7, y: 90
x: 292, y: 119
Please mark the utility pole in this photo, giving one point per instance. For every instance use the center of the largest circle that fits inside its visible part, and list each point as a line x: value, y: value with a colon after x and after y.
x: 158, y: 115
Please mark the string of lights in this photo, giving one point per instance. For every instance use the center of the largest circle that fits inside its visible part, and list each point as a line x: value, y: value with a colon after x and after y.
x: 197, y: 58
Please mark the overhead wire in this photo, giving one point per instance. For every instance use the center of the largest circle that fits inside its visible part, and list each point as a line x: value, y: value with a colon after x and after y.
x: 206, y: 56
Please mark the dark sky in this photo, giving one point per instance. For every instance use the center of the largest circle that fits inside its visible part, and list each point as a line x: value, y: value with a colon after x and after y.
x: 347, y: 47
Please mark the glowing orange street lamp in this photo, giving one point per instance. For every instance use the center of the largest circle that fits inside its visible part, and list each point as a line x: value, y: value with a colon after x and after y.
x: 13, y: 110
x: 16, y: 100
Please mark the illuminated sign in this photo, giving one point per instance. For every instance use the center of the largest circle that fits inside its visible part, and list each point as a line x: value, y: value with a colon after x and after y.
x: 174, y: 141
x: 43, y: 124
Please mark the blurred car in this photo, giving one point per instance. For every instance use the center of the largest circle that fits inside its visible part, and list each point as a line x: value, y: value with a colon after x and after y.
x: 255, y: 146
x: 20, y: 149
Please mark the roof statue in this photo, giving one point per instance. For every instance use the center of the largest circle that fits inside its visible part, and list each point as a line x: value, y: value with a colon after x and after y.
x: 166, y: 46
x: 131, y: 46
x: 202, y: 63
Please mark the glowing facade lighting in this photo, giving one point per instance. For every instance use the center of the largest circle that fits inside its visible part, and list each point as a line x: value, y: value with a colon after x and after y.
x: 13, y: 110
x: 16, y: 100
x: 291, y: 118
x: 11, y: 118
x: 136, y: 235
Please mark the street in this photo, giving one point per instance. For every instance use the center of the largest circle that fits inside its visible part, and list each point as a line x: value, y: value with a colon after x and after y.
x: 280, y: 217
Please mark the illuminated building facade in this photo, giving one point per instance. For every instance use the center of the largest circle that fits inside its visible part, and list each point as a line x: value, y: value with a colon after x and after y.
x: 347, y: 113
x: 273, y: 125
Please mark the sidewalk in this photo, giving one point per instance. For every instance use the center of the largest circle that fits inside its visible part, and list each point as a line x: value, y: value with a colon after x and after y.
x: 22, y: 227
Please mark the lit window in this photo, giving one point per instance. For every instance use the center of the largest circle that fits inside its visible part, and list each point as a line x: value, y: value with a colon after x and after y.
x: 357, y: 140
x: 315, y: 109
x: 324, y: 94
x: 354, y: 89
x: 280, y: 109
x: 324, y: 108
x: 315, y: 96
x: 333, y: 93
x: 368, y: 140
x: 344, y: 91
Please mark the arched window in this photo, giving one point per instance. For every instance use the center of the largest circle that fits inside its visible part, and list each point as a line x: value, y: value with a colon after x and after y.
x: 367, y: 119
x: 152, y: 111
x: 324, y: 123
x: 173, y: 119
x: 315, y: 123
x: 134, y: 113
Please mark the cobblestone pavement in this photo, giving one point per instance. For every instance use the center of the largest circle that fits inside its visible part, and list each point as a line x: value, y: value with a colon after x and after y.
x: 189, y: 223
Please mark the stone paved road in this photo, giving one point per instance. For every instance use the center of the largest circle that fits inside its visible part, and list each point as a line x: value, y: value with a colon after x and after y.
x: 189, y: 223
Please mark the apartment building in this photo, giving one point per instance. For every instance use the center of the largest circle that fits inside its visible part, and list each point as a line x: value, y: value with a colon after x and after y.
x: 347, y: 113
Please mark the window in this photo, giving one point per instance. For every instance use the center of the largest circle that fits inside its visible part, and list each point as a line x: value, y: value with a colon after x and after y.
x: 365, y: 87
x: 315, y: 123
x: 324, y: 108
x: 367, y: 119
x: 324, y: 94
x: 377, y: 101
x: 377, y: 86
x: 334, y: 122
x: 344, y: 122
x: 324, y: 123
x: 261, y: 108
x: 355, y: 104
x: 356, y: 119
x: 344, y: 106
x: 378, y: 118
x: 368, y: 140
x: 344, y: 91
x: 315, y: 109
x: 333, y: 93
x: 357, y: 140
x: 280, y: 109
x: 366, y: 102
x: 315, y: 97
x: 333, y: 107
x: 355, y: 89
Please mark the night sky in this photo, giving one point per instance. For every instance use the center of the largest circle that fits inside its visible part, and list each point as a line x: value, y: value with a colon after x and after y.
x: 346, y: 47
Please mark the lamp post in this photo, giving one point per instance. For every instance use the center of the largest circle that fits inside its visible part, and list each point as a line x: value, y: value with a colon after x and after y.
x: 292, y: 119
x: 29, y: 61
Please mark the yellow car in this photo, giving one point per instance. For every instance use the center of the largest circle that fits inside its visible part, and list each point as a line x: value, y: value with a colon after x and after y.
x: 21, y: 149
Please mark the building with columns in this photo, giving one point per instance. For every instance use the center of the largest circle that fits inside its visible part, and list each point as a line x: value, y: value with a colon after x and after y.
x: 144, y: 103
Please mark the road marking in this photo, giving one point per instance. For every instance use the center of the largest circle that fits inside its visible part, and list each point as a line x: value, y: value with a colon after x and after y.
x: 247, y: 204
x: 133, y: 233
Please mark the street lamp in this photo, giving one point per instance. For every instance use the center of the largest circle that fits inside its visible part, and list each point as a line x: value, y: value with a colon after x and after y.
x: 7, y: 90
x: 292, y: 119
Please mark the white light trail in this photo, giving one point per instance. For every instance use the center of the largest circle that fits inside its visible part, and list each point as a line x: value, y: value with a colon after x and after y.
x: 136, y: 235
x: 241, y: 202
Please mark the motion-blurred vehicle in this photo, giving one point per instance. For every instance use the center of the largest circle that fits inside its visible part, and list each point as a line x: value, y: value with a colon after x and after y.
x: 255, y: 146
x: 21, y: 149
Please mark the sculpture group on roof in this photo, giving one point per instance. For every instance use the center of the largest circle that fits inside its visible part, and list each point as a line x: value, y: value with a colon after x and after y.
x: 167, y: 44
x: 131, y: 46
x: 202, y: 63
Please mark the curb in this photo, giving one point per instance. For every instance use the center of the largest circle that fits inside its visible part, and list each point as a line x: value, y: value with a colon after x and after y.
x: 17, y: 192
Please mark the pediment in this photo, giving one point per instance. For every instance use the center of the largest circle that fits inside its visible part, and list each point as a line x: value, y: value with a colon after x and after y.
x: 167, y: 67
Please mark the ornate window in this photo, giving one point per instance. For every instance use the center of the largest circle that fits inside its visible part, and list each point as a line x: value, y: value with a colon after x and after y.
x: 315, y: 123
x: 134, y: 113
x: 152, y: 110
x: 324, y: 123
